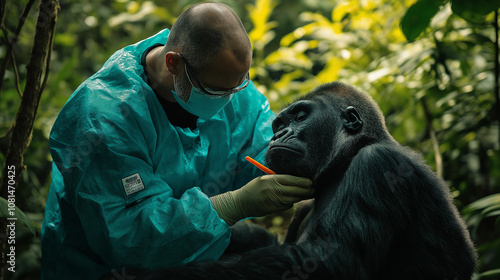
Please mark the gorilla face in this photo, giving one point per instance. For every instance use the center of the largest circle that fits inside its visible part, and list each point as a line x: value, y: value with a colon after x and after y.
x: 303, y: 139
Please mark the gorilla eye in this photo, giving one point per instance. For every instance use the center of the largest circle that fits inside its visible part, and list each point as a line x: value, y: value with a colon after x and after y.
x: 300, y: 116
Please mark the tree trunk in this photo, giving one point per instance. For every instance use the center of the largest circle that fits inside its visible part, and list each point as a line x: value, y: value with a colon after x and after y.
x: 23, y: 124
x: 497, y: 73
x: 13, y: 40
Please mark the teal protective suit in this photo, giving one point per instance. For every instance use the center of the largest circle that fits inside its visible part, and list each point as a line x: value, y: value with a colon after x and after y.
x: 129, y: 188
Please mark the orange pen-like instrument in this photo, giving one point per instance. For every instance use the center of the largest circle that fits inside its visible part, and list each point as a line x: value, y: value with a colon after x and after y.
x: 259, y: 165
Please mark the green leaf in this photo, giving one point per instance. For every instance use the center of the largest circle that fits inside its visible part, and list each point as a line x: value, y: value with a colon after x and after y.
x: 490, y: 209
x: 494, y: 272
x: 18, y: 214
x: 483, y: 203
x: 474, y: 10
x: 418, y: 17
x: 492, y: 213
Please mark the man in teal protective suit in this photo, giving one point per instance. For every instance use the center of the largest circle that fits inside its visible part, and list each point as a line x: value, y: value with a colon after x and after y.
x: 148, y: 153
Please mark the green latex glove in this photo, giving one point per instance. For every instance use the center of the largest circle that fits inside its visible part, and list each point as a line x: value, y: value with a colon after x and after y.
x: 261, y: 196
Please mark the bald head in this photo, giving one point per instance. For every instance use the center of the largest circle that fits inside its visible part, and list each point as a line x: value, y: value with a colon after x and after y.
x: 204, y: 30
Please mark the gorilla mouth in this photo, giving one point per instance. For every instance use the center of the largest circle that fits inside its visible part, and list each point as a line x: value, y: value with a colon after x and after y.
x: 286, y: 148
x: 287, y: 159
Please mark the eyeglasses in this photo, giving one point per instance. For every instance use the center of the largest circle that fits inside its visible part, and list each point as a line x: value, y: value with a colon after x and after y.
x: 208, y: 91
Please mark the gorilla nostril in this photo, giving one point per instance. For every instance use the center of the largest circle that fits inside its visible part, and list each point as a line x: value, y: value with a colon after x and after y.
x: 282, y: 134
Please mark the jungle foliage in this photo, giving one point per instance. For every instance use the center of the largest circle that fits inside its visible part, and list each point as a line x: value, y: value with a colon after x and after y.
x: 432, y: 65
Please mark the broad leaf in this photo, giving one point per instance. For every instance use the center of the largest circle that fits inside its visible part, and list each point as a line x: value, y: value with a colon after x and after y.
x: 418, y: 17
x: 21, y: 218
x: 474, y: 10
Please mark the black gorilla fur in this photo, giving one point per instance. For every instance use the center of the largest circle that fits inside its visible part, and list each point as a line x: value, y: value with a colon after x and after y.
x: 379, y: 211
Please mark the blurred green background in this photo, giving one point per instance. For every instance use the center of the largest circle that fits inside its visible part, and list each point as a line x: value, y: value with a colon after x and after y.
x: 436, y: 89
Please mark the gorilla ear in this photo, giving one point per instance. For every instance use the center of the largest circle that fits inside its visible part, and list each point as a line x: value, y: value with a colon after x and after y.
x: 351, y: 119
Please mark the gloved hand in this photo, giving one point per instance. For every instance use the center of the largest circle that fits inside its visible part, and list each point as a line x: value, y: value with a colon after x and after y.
x: 261, y: 196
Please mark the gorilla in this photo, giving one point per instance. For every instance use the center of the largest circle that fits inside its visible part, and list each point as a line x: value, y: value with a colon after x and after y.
x: 379, y: 211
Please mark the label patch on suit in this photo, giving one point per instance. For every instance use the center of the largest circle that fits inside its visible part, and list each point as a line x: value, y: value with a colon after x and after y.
x: 132, y: 184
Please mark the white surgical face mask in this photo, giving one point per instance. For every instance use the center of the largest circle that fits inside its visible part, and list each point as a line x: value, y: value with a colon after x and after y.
x: 201, y: 105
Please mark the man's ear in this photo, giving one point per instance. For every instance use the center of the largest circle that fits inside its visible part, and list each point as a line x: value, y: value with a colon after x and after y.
x: 351, y: 119
x: 174, y: 63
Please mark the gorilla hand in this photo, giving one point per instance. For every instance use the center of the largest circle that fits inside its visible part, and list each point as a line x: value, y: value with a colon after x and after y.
x: 261, y: 196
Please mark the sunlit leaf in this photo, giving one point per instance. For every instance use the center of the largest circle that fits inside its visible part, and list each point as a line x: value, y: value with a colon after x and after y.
x: 331, y: 71
x: 146, y: 10
x: 290, y: 57
x: 317, y: 18
x: 285, y: 79
x: 259, y: 14
x: 65, y: 39
x: 364, y: 19
x: 344, y: 8
x: 133, y: 7
x: 292, y: 36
